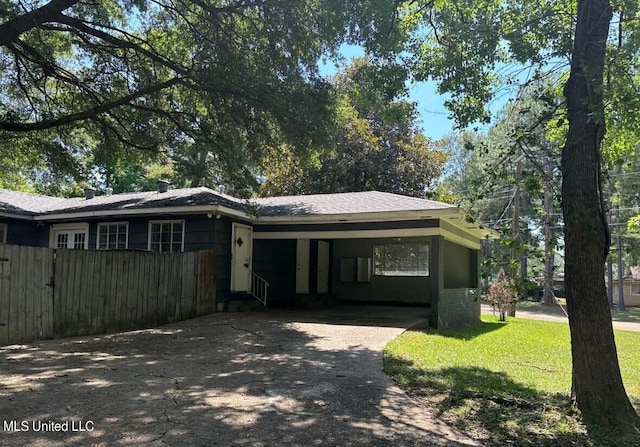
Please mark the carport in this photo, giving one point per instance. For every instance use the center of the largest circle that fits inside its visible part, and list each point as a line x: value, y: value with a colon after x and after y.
x: 395, y: 252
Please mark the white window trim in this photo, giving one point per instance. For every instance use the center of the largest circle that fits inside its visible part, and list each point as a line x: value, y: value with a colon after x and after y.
x: 80, y: 227
x: 5, y: 227
x: 631, y: 289
x: 151, y: 222
x: 106, y: 224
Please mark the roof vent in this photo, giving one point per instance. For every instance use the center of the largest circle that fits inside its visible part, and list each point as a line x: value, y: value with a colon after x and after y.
x: 163, y: 186
x: 89, y: 193
x: 108, y: 191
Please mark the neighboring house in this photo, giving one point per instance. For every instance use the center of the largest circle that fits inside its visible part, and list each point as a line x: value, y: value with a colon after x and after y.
x: 356, y: 247
x: 630, y: 288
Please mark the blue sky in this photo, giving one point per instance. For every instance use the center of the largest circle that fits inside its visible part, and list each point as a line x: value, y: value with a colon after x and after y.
x: 434, y: 117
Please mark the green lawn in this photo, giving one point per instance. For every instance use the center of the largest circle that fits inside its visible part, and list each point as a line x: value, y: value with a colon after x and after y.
x: 504, y: 383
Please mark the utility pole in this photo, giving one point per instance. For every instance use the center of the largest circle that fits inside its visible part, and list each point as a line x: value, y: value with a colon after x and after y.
x: 549, y: 245
x: 621, y: 305
x: 515, y: 225
x: 609, y: 257
x: 610, y: 281
x: 618, y: 231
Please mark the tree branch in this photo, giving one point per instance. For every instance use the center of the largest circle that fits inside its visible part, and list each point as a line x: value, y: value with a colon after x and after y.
x: 12, y: 29
x: 82, y: 26
x: 86, y: 114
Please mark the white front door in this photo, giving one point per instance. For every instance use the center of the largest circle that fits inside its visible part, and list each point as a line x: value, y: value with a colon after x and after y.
x: 73, y: 236
x: 302, y: 266
x: 241, y: 252
x: 323, y: 267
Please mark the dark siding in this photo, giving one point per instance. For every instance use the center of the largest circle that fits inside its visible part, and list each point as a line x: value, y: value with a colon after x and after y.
x: 138, y: 233
x: 457, y: 266
x: 26, y: 232
x: 460, y: 266
x: 436, y: 269
x: 415, y: 290
x: 199, y: 231
x: 222, y: 244
x: 457, y: 303
x: 475, y: 268
x: 138, y: 227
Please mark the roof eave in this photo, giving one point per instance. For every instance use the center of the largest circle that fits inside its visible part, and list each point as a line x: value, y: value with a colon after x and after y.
x: 183, y: 210
x: 378, y: 216
x: 17, y: 216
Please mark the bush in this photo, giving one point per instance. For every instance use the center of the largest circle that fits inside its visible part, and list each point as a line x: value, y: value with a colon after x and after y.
x: 502, y: 295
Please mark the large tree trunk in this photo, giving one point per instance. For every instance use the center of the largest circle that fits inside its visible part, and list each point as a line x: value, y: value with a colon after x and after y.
x: 597, y: 385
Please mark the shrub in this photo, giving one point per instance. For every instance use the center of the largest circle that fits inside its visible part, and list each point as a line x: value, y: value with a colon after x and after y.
x: 502, y: 295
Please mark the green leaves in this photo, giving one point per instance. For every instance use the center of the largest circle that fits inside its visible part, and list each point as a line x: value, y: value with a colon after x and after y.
x: 378, y: 144
x: 476, y: 49
x: 216, y: 79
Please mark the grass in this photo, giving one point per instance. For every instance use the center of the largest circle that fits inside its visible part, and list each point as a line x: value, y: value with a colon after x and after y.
x: 505, y: 383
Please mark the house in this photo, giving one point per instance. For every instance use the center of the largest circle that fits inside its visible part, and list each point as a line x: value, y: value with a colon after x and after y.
x: 630, y: 288
x: 362, y: 247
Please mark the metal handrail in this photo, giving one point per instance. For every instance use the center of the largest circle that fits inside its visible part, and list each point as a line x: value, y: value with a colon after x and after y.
x: 259, y: 288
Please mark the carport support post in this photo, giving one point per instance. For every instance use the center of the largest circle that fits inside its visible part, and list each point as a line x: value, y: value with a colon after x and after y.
x: 436, y: 273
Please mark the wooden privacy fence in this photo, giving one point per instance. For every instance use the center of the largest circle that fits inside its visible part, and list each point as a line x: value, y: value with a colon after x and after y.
x: 56, y: 293
x: 26, y: 293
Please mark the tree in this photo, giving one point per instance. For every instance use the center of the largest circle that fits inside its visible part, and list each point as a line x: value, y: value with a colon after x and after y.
x: 465, y: 45
x: 156, y: 76
x: 378, y: 145
x: 601, y: 397
x: 509, y: 179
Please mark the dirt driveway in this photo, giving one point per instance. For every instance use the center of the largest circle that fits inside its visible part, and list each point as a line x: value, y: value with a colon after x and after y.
x: 260, y: 379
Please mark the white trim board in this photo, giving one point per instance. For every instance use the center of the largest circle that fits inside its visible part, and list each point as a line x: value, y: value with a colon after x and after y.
x: 175, y: 210
x: 16, y: 216
x: 377, y: 216
x: 368, y: 234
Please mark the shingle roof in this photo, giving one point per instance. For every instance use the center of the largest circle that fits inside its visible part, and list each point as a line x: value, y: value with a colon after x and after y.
x: 151, y: 199
x: 33, y: 204
x: 346, y: 203
x: 304, y: 205
x: 14, y: 202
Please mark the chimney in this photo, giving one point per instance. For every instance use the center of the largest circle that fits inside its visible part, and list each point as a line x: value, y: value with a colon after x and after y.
x: 163, y: 186
x: 89, y: 193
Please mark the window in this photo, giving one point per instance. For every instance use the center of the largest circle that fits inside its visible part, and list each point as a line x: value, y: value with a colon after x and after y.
x: 635, y: 288
x: 112, y: 236
x: 3, y: 233
x: 72, y: 236
x: 409, y: 259
x: 166, y: 236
